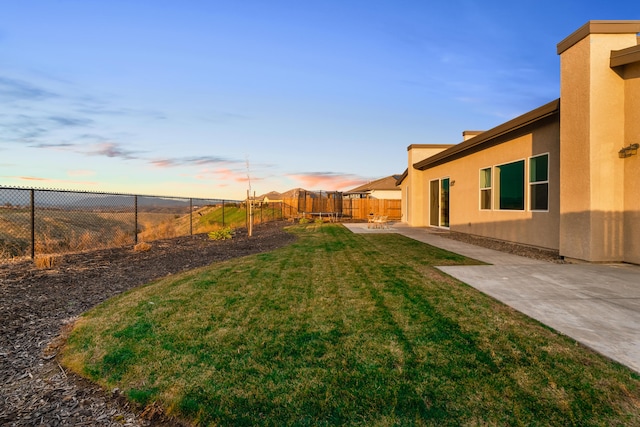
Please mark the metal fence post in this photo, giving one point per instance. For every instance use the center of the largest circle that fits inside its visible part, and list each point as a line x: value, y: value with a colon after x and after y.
x: 223, y: 214
x: 33, y: 225
x: 135, y: 220
x: 190, y: 216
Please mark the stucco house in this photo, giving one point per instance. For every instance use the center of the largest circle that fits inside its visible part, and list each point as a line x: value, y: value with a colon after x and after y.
x: 565, y: 176
x: 383, y: 188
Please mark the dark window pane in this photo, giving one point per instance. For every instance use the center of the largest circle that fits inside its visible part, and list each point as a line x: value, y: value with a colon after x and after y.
x: 539, y: 168
x: 540, y: 197
x: 485, y: 199
x: 444, y: 203
x: 512, y: 186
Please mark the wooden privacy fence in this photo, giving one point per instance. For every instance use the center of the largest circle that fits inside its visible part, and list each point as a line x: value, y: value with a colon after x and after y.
x: 362, y: 208
x: 357, y: 209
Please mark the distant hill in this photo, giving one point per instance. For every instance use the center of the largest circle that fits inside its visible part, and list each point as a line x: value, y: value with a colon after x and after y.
x: 79, y: 200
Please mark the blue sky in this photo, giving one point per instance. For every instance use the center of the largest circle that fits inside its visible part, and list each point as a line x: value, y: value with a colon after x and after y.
x: 189, y: 98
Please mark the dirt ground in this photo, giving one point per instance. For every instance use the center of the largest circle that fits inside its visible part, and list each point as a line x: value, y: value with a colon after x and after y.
x: 36, y: 304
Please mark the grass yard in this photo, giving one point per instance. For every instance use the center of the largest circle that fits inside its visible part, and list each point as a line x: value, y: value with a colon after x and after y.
x: 344, y: 329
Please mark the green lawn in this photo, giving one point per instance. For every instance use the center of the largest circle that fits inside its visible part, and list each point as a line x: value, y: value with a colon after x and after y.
x: 344, y: 329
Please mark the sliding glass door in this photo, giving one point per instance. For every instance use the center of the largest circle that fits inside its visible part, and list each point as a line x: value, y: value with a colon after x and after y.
x: 439, y: 202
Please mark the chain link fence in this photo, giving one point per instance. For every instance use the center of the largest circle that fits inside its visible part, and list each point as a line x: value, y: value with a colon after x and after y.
x: 42, y: 221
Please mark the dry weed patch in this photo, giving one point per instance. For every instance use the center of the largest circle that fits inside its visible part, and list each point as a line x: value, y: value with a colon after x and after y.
x: 141, y: 247
x: 46, y: 261
x: 343, y: 329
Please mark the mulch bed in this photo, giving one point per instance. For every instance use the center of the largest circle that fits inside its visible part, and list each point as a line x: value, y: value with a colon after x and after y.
x: 36, y: 304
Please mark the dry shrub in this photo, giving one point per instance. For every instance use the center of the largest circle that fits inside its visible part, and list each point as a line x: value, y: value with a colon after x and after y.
x: 167, y: 230
x: 85, y: 241
x: 46, y: 243
x: 141, y: 247
x: 120, y: 238
x: 46, y: 261
x: 164, y: 230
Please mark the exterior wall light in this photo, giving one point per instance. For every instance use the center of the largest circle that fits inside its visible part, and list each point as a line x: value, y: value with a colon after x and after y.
x: 628, y: 151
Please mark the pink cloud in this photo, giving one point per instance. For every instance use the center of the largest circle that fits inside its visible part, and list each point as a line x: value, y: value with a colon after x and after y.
x: 327, y: 180
x: 51, y: 181
x: 29, y: 178
x: 162, y: 163
x: 225, y: 174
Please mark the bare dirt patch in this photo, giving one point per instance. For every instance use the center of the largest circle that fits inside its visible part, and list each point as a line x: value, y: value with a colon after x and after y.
x: 36, y: 304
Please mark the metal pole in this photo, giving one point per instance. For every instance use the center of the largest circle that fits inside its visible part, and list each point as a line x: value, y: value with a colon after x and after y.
x: 190, y: 216
x: 249, y: 213
x: 135, y: 220
x: 223, y: 213
x: 33, y: 225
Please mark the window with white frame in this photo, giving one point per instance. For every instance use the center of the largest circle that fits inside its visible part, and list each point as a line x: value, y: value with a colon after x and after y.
x: 539, y: 183
x: 485, y: 189
x: 509, y: 187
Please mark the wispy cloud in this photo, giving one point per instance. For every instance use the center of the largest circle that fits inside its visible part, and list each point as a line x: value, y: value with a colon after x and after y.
x: 34, y: 114
x: 55, y: 146
x: 102, y: 148
x: 327, y: 180
x: 18, y: 90
x: 70, y: 121
x: 21, y: 128
x: 96, y: 107
x: 191, y: 161
x: 224, y: 117
x: 110, y: 149
x: 34, y: 128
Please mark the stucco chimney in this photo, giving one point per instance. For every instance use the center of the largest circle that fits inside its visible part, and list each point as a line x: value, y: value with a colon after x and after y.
x: 468, y: 134
x: 592, y: 123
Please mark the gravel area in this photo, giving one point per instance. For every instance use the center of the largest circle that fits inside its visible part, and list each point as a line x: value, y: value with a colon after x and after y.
x: 508, y: 247
x: 38, y: 304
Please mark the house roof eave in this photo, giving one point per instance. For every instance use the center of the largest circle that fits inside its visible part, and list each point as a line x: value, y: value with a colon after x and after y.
x: 404, y: 176
x: 532, y: 116
x: 624, y: 56
x: 598, y: 27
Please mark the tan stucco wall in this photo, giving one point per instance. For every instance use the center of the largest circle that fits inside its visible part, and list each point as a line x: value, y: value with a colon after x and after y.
x: 403, y: 207
x: 532, y: 228
x: 593, y: 126
x: 413, y: 206
x: 575, y: 178
x: 632, y: 165
x: 386, y: 194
